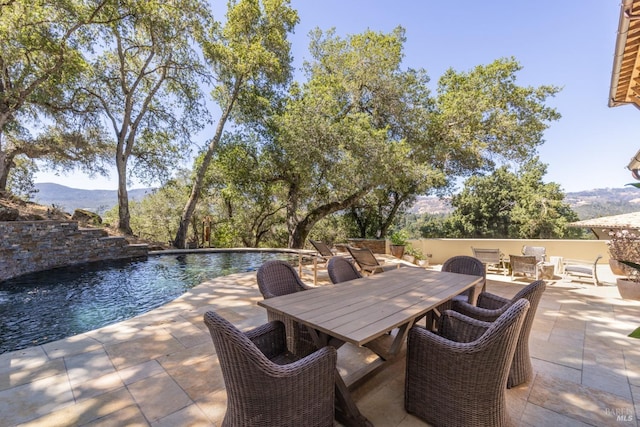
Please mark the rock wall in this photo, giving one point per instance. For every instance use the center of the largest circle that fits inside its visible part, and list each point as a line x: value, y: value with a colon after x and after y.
x: 28, y: 246
x: 377, y: 246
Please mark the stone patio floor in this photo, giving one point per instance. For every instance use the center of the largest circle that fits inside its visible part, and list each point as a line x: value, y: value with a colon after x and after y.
x: 160, y: 368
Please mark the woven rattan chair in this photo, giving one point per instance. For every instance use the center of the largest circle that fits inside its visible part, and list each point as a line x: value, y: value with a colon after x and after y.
x: 342, y: 270
x: 465, y: 264
x: 458, y: 377
x: 367, y: 262
x: 277, y: 278
x: 263, y: 387
x: 490, y: 307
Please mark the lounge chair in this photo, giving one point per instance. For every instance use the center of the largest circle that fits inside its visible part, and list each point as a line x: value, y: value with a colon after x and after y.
x: 265, y: 385
x: 490, y: 307
x: 277, y: 278
x: 491, y: 258
x: 582, y: 269
x: 521, y: 264
x: 540, y: 252
x: 323, y: 249
x: 367, y: 262
x: 459, y: 376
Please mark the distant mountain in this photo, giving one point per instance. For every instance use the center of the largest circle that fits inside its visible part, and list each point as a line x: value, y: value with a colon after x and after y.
x: 69, y: 199
x: 587, y: 204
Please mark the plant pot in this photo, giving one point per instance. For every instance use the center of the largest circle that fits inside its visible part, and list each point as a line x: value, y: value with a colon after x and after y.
x: 628, y: 289
x: 617, y: 267
x: 397, y: 250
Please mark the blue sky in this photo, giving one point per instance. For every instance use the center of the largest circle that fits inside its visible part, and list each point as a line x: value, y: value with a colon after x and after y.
x: 563, y: 43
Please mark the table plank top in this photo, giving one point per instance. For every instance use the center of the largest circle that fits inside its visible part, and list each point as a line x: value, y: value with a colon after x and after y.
x: 361, y: 310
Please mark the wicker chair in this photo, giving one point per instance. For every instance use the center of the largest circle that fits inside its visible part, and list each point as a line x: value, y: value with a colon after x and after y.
x: 464, y: 264
x: 277, y: 278
x: 490, y: 307
x: 342, y: 270
x: 458, y: 377
x: 264, y: 387
x: 367, y: 262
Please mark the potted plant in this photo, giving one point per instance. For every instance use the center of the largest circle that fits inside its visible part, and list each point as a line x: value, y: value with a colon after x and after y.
x: 417, y: 257
x: 624, y: 247
x: 398, y: 244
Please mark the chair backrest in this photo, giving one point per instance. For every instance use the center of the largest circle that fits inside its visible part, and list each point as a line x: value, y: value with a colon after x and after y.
x: 523, y: 263
x: 487, y: 256
x: 322, y: 248
x: 341, y: 270
x: 464, y: 264
x: 538, y: 251
x: 277, y: 278
x: 363, y: 256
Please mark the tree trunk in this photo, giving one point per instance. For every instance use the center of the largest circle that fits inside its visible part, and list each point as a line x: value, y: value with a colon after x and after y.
x: 183, y: 228
x: 302, y: 228
x: 124, y: 217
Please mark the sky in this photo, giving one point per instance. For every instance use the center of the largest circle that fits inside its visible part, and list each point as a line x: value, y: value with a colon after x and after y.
x: 569, y: 44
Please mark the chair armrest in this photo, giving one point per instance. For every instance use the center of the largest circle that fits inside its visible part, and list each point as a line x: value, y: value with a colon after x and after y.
x: 491, y: 301
x: 457, y: 327
x: 270, y: 338
x: 477, y: 312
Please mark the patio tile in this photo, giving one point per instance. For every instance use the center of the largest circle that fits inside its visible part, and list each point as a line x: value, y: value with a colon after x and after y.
x: 577, y: 401
x: 191, y: 416
x: 536, y: 416
x: 159, y: 396
x: 91, y: 410
x: 135, y: 351
x: 97, y: 386
x: 71, y: 346
x: 29, y: 401
x: 86, y: 366
x: 131, y: 416
x: 214, y: 406
x: 27, y: 358
x: 18, y: 376
x: 139, y: 372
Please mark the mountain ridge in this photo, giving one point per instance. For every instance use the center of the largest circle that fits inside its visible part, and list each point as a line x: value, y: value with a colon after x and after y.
x: 587, y: 203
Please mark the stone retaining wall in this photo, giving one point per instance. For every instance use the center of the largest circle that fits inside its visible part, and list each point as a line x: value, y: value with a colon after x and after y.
x: 28, y: 246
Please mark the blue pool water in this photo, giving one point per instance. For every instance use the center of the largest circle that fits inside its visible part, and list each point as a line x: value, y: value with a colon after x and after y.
x: 47, y: 306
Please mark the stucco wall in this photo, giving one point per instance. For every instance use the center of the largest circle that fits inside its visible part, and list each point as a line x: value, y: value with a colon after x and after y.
x: 28, y: 246
x: 441, y: 249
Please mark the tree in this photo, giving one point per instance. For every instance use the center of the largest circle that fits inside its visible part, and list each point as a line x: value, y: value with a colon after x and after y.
x: 42, y: 116
x: 250, y: 58
x: 349, y: 129
x: 508, y: 204
x: 145, y: 83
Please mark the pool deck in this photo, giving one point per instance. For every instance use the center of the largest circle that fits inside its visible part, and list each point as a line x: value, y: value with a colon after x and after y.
x: 160, y: 368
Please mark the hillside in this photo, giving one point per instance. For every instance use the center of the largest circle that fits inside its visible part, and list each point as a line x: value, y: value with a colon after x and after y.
x: 69, y: 199
x: 587, y: 204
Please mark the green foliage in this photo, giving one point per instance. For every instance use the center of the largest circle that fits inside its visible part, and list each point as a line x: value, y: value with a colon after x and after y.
x: 399, y: 238
x: 509, y: 204
x: 42, y: 115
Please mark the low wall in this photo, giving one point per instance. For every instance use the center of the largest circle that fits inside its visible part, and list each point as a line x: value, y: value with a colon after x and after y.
x: 29, y: 246
x: 442, y: 249
x: 377, y: 246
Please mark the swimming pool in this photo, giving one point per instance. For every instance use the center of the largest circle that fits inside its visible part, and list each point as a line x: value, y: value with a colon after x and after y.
x: 46, y: 306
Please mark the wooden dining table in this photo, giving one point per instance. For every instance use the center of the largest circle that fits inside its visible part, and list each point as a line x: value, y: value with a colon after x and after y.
x: 362, y: 312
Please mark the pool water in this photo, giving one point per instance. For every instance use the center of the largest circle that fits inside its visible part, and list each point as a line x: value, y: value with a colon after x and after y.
x: 54, y: 304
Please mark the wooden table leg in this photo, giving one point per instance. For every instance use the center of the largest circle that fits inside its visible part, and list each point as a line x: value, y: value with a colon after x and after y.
x: 346, y: 411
